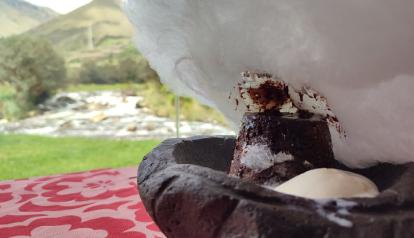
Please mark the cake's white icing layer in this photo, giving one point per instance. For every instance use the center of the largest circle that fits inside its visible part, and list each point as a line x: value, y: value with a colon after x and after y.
x: 358, y: 54
x: 259, y: 157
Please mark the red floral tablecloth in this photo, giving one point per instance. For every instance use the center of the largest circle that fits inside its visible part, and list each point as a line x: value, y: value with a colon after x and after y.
x: 94, y: 204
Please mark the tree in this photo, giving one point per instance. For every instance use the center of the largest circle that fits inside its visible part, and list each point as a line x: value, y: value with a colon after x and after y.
x: 91, y: 73
x: 32, y: 67
x: 126, y: 71
x: 136, y: 71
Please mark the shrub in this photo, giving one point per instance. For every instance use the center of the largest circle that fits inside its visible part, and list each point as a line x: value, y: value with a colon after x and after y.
x: 32, y: 67
x: 125, y: 71
x: 91, y: 73
x: 10, y: 109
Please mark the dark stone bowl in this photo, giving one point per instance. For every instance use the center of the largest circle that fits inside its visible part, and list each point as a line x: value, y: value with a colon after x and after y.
x: 185, y: 188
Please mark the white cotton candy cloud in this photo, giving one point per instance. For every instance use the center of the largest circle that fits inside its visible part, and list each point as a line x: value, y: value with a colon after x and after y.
x: 359, y: 54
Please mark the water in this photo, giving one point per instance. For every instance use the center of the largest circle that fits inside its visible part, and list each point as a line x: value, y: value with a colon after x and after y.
x: 105, y: 114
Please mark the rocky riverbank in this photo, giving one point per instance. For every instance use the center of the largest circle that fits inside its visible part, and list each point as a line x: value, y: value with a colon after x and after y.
x: 108, y: 114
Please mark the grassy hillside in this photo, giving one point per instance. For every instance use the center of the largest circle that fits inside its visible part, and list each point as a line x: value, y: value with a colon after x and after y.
x: 98, y: 32
x: 104, y: 19
x: 17, y: 16
x: 113, y: 58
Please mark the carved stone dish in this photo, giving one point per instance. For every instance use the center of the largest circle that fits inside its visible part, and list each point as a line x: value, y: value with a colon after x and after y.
x: 186, y: 189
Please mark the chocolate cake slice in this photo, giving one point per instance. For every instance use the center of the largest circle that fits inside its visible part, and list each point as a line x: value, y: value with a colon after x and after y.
x: 278, y: 140
x: 272, y: 148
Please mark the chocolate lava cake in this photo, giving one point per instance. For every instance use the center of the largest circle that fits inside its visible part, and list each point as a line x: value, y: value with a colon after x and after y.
x: 272, y: 147
x: 278, y: 140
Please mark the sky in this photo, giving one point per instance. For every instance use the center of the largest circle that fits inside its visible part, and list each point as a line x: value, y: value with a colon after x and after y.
x: 60, y: 6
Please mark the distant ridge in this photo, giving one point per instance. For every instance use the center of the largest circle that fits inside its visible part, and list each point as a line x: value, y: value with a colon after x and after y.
x: 18, y: 16
x: 103, y: 19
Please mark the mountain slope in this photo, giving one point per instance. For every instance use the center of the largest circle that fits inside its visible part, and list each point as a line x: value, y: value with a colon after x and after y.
x: 17, y: 16
x: 70, y: 32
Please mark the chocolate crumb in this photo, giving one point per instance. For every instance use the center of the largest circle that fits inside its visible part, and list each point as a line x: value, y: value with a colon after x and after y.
x: 269, y: 95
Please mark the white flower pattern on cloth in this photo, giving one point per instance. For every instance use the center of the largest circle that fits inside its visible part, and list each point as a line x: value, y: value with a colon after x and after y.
x: 64, y: 231
x: 93, y: 186
x: 92, y: 204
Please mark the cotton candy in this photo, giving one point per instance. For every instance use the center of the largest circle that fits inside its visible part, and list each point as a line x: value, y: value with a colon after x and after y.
x: 359, y: 54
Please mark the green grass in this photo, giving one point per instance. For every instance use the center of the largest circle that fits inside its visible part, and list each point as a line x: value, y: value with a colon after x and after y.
x: 23, y: 156
x: 6, y: 92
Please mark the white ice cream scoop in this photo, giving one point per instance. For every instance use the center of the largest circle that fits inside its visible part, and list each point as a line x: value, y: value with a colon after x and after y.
x: 329, y: 183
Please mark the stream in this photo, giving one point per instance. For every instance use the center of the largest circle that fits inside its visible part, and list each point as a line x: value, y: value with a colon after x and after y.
x: 105, y: 114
